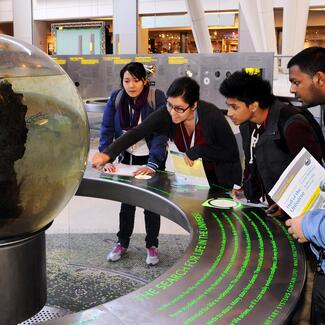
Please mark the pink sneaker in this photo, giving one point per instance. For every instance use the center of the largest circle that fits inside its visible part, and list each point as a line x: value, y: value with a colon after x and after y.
x: 152, y: 255
x: 116, y: 253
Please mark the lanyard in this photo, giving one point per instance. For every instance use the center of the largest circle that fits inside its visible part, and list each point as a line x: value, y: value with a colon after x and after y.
x: 196, y: 119
x: 254, y: 140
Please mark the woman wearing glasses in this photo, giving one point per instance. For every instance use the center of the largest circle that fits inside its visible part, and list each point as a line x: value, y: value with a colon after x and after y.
x: 198, y: 128
x: 125, y: 109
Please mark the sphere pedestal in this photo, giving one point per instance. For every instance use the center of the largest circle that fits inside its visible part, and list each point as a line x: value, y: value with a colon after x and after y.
x: 23, y: 278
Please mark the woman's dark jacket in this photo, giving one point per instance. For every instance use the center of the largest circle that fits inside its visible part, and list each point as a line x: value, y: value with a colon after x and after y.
x: 221, y: 149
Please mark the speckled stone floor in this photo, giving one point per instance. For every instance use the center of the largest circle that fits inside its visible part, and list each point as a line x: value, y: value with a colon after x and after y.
x: 80, y: 277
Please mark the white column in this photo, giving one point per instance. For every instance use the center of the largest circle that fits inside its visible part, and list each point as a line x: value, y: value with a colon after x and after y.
x: 245, y: 41
x: 40, y: 35
x: 250, y: 11
x: 125, y: 26
x: 199, y: 26
x: 23, y: 20
x: 295, y: 16
x: 267, y: 24
x: 259, y: 18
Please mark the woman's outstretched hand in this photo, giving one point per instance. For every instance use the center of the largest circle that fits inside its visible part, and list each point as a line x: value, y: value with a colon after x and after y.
x: 99, y: 160
x: 144, y: 170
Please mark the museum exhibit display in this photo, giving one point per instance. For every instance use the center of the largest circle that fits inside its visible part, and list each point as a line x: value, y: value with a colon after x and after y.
x: 239, y: 267
x: 44, y: 144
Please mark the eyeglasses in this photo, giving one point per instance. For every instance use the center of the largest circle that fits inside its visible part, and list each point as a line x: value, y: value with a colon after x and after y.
x: 177, y: 109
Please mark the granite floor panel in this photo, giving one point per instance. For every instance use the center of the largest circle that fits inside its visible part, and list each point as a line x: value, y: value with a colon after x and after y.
x: 80, y: 277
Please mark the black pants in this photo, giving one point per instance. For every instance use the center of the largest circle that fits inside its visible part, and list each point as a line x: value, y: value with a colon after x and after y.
x: 317, y: 316
x: 127, y: 212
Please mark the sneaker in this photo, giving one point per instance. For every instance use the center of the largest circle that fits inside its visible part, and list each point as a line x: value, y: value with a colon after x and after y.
x: 152, y: 256
x: 116, y: 253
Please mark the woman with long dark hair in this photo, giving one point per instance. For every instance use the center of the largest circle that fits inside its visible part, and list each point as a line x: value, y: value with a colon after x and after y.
x: 125, y: 109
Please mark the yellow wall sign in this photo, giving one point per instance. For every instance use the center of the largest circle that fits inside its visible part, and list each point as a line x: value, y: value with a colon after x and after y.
x: 122, y: 61
x: 110, y: 58
x: 143, y: 59
x: 89, y: 61
x: 253, y: 71
x: 59, y: 61
x: 78, y: 58
x: 177, y: 60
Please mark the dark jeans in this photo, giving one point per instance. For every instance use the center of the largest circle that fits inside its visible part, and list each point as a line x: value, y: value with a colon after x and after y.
x: 152, y: 222
x: 318, y: 300
x: 127, y: 212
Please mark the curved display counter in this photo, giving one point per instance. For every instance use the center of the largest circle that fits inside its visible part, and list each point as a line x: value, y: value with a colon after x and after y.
x: 240, y: 266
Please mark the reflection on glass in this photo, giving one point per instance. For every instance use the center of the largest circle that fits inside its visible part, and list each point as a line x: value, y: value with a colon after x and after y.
x: 43, y: 139
x: 12, y: 148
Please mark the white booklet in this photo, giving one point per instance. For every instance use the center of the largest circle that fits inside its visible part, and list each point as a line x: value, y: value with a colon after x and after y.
x: 124, y: 170
x: 188, y: 175
x: 298, y: 189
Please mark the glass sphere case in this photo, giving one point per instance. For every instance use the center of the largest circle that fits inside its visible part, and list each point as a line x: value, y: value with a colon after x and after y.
x: 44, y: 145
x: 44, y: 139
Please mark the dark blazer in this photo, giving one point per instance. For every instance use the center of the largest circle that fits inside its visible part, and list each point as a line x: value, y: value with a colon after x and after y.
x: 221, y: 149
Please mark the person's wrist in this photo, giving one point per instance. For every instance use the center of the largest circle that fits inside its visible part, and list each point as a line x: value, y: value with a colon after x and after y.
x: 152, y: 169
x: 106, y: 155
x: 152, y: 165
x: 304, y: 227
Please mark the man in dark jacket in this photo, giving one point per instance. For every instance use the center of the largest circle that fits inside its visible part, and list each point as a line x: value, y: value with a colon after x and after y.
x: 273, y: 133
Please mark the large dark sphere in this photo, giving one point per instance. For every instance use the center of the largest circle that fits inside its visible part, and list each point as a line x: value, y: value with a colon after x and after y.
x: 44, y: 139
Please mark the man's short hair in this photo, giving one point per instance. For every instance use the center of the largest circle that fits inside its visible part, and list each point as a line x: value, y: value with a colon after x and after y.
x: 185, y: 87
x: 248, y: 89
x: 309, y: 60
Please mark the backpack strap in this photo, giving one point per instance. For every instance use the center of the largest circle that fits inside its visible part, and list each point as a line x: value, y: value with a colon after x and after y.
x: 118, y: 98
x: 284, y: 122
x: 152, y: 98
x: 285, y: 114
x: 316, y: 128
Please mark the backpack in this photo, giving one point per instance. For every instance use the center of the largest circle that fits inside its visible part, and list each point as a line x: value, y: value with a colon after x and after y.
x: 151, y: 98
x: 290, y: 111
